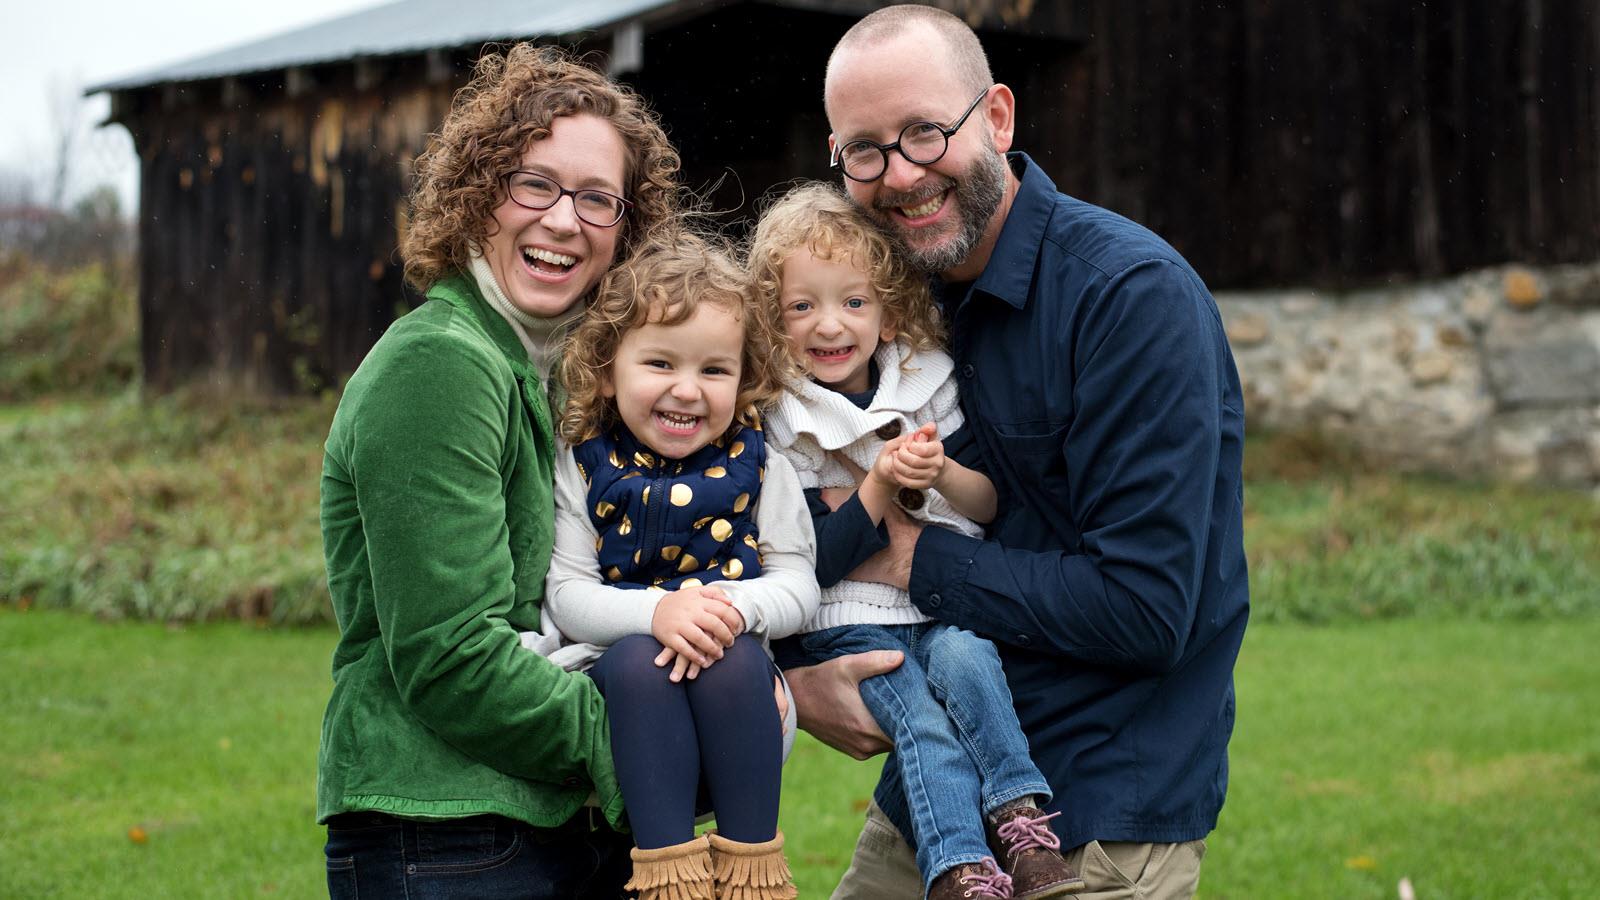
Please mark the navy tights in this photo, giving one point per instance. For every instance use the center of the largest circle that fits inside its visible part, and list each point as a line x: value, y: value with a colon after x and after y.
x: 719, y: 731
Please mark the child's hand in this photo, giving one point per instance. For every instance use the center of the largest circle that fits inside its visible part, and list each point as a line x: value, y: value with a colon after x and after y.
x: 694, y: 625
x: 883, y: 467
x: 919, y: 461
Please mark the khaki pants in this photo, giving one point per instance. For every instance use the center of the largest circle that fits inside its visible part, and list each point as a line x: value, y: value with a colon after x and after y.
x: 884, y: 868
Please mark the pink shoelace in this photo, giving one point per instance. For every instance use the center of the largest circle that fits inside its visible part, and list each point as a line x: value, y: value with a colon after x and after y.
x: 994, y: 884
x: 1022, y: 833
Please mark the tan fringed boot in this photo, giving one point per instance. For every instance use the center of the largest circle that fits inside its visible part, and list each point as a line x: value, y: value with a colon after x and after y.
x: 679, y: 872
x: 751, y: 871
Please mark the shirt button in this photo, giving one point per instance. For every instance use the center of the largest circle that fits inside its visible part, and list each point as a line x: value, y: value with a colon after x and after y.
x: 572, y: 781
x: 1023, y: 640
x: 934, y: 600
x: 967, y: 371
x: 888, y: 431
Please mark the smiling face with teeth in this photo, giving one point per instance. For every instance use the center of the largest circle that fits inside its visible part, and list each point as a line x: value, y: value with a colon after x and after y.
x: 946, y: 215
x: 833, y: 318
x: 546, y: 259
x: 676, y: 386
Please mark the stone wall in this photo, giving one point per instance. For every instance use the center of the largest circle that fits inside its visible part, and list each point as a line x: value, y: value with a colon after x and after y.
x: 1496, y: 372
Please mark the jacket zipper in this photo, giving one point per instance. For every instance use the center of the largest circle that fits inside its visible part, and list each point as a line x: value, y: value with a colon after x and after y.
x: 654, y: 515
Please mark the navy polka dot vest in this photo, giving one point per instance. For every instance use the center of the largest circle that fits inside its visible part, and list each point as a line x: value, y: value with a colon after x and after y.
x: 671, y: 523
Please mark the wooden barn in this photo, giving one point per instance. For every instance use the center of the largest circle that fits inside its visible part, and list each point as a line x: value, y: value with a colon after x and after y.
x: 1336, y: 142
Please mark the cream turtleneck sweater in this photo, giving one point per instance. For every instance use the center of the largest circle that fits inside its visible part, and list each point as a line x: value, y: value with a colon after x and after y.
x: 540, y: 337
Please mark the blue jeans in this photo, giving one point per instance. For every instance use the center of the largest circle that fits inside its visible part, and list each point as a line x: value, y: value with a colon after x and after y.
x: 959, y: 752
x: 375, y: 855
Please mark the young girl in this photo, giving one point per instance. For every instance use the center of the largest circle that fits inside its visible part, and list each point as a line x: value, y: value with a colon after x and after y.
x: 880, y: 392
x: 681, y: 545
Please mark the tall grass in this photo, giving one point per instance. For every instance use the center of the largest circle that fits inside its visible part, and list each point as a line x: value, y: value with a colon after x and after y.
x: 200, y: 506
x: 188, y: 507
x: 1330, y: 539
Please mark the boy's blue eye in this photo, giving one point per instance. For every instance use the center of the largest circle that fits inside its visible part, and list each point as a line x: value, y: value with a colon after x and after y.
x: 801, y: 306
x: 855, y: 303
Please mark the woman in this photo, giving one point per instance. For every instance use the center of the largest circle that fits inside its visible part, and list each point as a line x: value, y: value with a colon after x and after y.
x: 454, y: 762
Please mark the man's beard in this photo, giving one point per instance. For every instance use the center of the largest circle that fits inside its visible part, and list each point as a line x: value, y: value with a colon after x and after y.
x: 977, y: 196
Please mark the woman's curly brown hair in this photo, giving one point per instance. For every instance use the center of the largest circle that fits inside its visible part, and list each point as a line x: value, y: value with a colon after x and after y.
x: 820, y: 218
x: 508, y: 105
x: 673, y: 270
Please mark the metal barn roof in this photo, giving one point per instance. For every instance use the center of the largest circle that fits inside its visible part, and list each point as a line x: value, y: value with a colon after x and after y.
x: 407, y: 26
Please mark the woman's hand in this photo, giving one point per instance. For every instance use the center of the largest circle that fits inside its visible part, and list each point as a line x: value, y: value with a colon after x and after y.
x: 694, y: 625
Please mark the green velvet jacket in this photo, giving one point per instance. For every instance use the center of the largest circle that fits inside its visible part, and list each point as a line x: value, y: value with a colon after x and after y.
x: 437, y: 525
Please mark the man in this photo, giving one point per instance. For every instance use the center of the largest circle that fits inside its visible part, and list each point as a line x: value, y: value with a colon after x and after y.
x: 1101, y: 397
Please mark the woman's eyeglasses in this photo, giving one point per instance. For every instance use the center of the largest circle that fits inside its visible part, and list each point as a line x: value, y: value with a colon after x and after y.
x: 534, y: 191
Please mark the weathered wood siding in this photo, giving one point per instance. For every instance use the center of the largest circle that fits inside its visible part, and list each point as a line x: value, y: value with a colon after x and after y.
x: 1340, y: 141
x: 268, y: 223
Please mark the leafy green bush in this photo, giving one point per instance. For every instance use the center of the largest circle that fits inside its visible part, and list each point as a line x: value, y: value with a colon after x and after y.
x: 64, y: 332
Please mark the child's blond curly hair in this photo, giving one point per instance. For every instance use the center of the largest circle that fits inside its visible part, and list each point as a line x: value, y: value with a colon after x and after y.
x: 671, y: 272
x: 820, y: 218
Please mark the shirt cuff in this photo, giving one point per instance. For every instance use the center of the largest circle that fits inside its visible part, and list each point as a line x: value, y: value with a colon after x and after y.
x: 939, y: 567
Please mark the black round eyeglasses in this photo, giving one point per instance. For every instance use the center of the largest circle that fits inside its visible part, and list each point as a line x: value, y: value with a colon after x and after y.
x: 922, y: 143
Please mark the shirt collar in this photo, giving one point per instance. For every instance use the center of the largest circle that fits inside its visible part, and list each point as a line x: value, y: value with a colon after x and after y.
x: 1009, y: 273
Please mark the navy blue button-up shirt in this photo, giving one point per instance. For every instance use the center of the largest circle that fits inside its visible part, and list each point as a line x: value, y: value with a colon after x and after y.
x: 1101, y: 397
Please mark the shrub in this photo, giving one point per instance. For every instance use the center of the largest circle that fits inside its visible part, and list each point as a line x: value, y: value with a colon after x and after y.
x: 67, y: 331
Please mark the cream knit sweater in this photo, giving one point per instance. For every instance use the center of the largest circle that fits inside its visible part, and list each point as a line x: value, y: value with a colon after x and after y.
x: 540, y: 337
x: 810, y: 423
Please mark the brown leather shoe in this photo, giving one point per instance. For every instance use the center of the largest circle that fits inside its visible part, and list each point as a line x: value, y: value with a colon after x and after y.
x: 971, y: 880
x: 1031, y: 854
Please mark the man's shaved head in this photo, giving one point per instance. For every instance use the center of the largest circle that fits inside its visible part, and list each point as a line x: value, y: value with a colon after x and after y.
x: 948, y: 35
x: 907, y: 65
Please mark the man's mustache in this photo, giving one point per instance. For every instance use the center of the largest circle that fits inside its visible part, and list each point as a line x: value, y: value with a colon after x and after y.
x: 916, y: 198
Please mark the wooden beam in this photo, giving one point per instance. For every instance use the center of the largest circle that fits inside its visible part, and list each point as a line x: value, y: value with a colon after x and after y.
x: 439, y: 66
x: 627, y: 49
x: 298, y: 81
x: 369, y: 73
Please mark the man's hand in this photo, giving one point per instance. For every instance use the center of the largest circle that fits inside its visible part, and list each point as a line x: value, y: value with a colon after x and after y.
x: 892, y: 565
x: 694, y: 625
x: 836, y: 497
x: 827, y: 701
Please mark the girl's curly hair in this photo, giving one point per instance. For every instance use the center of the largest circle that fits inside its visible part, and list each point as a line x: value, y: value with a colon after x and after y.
x: 672, y: 271
x: 820, y: 218
x: 507, y: 106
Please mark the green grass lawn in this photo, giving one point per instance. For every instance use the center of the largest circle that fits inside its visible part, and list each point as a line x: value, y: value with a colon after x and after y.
x: 143, y: 760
